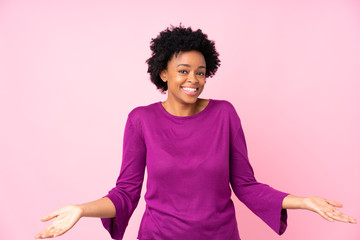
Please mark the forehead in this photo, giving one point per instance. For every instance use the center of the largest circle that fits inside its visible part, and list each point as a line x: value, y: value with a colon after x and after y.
x: 192, y: 56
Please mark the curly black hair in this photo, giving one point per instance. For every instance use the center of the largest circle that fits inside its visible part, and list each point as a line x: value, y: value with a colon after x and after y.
x: 173, y: 40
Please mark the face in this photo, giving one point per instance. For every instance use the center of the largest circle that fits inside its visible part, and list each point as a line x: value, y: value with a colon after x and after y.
x: 185, y: 76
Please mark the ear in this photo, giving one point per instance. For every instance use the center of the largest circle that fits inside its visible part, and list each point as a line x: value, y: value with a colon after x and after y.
x: 163, y: 75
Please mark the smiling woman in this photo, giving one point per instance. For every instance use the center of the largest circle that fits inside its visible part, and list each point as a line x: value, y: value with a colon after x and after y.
x: 194, y: 149
x: 182, y: 59
x: 170, y: 42
x: 185, y: 78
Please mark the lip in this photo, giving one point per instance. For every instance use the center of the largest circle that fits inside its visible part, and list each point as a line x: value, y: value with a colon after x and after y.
x: 190, y: 93
x: 197, y: 88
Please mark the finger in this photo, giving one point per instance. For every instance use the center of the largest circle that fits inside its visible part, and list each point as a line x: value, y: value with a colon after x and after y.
x: 47, y: 235
x: 53, y: 232
x: 345, y: 218
x: 325, y: 216
x: 58, y: 232
x: 336, y: 211
x: 50, y: 216
x: 339, y: 216
x: 334, y: 203
x: 46, y: 232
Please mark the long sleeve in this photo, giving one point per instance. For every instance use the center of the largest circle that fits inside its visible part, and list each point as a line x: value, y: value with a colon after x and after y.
x: 263, y: 200
x: 126, y: 194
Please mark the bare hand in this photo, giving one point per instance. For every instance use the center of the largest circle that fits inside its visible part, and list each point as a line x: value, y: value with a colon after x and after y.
x: 326, y: 209
x: 65, y: 218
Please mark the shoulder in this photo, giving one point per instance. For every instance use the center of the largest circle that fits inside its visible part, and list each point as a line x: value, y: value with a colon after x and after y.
x: 229, y: 111
x: 137, y: 115
x: 141, y: 112
x: 225, y: 105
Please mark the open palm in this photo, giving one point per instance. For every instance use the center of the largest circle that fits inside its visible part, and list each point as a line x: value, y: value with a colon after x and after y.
x: 327, y: 209
x: 65, y: 218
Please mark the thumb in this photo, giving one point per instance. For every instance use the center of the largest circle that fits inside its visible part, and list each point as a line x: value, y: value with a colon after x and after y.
x: 50, y: 216
x: 334, y: 203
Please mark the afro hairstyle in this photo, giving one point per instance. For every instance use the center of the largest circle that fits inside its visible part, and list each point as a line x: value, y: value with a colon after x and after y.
x: 173, y: 40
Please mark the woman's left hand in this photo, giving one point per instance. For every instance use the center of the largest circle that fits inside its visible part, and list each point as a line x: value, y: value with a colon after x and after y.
x: 326, y: 208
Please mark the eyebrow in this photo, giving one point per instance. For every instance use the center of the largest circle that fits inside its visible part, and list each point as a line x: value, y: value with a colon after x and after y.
x: 187, y: 65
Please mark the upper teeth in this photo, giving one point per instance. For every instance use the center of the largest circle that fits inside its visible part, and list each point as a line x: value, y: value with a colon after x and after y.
x: 190, y: 89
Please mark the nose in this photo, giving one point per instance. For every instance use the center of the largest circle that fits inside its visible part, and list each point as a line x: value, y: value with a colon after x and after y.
x: 192, y: 77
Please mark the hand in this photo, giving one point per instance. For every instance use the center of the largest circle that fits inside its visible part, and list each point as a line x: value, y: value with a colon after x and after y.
x: 326, y: 209
x: 65, y: 218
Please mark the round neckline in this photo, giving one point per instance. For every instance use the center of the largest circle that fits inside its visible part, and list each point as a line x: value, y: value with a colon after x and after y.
x: 186, y: 117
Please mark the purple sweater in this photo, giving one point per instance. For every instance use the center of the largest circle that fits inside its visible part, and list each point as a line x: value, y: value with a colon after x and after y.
x: 191, y: 162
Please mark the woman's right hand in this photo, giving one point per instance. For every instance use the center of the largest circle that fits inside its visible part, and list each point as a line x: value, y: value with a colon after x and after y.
x: 65, y: 218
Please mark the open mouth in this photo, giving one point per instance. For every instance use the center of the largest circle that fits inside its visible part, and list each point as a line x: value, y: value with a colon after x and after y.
x: 189, y: 90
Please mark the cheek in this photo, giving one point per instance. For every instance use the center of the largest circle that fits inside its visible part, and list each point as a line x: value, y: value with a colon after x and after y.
x: 179, y: 79
x: 175, y: 82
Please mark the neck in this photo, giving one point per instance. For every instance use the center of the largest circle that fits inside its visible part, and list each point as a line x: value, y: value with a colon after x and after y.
x: 181, y: 109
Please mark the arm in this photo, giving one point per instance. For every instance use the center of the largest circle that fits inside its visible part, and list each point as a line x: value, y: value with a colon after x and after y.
x: 263, y: 200
x: 126, y: 194
x: 101, y: 208
x: 116, y: 208
x: 324, y: 207
x: 67, y: 216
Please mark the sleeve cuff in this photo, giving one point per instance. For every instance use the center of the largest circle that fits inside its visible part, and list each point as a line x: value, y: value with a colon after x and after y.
x: 115, y: 226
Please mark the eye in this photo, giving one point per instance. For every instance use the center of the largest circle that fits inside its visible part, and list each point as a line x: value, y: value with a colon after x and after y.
x: 201, y: 73
x: 182, y: 71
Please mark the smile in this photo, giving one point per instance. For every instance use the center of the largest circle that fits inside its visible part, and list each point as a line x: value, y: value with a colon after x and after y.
x: 190, y: 91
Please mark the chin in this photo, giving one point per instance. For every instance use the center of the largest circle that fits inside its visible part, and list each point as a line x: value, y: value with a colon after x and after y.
x: 192, y: 101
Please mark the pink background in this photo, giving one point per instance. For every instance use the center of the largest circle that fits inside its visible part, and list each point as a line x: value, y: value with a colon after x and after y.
x: 71, y: 71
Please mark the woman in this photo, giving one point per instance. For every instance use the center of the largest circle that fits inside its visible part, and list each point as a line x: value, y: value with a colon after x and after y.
x: 193, y: 149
